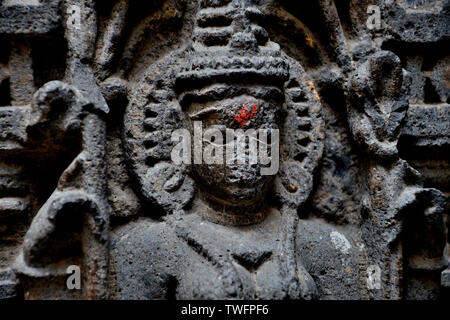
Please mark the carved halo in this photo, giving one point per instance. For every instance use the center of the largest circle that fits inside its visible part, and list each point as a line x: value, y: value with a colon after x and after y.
x: 154, y: 113
x: 243, y: 53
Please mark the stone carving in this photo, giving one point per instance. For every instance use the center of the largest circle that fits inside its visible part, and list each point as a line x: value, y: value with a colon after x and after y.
x: 224, y: 69
x: 356, y: 210
x: 376, y: 108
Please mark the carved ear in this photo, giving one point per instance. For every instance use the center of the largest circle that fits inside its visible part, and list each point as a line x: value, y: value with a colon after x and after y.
x: 150, y: 119
x: 168, y: 186
x: 302, y: 135
x: 293, y: 184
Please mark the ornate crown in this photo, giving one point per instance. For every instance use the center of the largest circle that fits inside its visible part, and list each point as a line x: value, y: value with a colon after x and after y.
x: 230, y: 45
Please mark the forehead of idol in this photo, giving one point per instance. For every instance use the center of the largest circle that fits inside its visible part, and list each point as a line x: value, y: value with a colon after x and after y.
x: 213, y: 99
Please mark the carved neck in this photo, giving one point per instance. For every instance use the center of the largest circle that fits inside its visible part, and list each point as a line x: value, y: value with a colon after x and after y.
x: 216, y: 211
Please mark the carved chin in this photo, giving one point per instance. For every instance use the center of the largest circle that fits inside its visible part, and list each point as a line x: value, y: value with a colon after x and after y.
x: 237, y: 186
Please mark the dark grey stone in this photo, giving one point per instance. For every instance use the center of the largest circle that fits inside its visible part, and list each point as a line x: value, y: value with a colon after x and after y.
x: 357, y: 210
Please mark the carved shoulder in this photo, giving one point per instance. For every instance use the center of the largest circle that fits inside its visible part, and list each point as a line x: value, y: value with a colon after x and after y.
x: 331, y: 258
x: 142, y: 254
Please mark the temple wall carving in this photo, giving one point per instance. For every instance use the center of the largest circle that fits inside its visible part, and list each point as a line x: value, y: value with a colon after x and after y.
x: 347, y: 103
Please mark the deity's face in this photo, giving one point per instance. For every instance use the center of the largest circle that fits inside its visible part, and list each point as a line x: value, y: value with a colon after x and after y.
x: 233, y: 183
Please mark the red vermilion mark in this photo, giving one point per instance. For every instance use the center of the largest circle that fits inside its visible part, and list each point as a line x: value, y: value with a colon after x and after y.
x: 245, y: 114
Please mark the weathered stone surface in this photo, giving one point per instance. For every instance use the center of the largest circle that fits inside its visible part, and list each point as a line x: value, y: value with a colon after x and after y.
x: 417, y: 20
x: 91, y: 93
x: 13, y: 127
x: 29, y: 17
x: 8, y: 285
x: 436, y: 134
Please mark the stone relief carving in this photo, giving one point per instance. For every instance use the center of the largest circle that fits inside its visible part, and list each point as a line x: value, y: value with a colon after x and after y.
x: 91, y: 93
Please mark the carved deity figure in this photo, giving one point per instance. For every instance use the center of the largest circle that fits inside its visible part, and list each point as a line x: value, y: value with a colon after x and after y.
x: 228, y: 239
x: 221, y: 149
